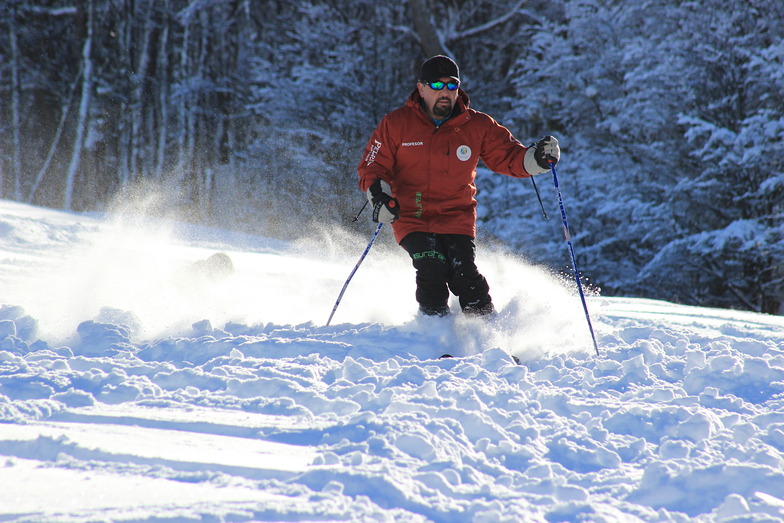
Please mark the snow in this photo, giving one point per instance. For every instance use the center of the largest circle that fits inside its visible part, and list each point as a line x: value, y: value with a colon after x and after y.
x: 134, y: 386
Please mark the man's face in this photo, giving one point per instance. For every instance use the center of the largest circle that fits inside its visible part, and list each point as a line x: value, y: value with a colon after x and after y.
x: 439, y: 104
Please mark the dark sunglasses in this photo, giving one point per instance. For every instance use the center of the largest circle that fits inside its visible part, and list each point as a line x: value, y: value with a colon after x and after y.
x: 437, y: 86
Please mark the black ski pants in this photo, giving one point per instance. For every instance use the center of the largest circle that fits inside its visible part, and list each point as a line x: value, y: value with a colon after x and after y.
x: 444, y: 263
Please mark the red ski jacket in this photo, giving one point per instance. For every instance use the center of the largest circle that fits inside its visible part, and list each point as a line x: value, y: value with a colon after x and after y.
x: 431, y: 169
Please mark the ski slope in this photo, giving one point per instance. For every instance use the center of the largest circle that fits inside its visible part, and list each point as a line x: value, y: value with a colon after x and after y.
x: 135, y: 386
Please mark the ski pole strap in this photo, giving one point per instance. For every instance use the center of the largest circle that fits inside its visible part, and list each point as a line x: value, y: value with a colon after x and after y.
x: 536, y: 190
x: 574, y: 258
x: 356, y: 218
x: 538, y: 197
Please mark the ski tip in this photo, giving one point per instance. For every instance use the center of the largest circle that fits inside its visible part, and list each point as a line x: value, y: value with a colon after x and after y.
x: 445, y: 356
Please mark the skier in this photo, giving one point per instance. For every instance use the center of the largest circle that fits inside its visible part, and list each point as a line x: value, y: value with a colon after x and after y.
x: 418, y: 172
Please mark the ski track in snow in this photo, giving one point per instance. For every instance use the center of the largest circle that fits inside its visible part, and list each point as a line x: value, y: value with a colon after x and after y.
x: 134, y: 388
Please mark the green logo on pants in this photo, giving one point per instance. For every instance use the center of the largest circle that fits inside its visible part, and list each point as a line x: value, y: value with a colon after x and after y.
x: 429, y: 254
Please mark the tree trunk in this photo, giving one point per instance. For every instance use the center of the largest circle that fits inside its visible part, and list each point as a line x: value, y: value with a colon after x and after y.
x: 84, y: 109
x: 138, y: 109
x: 424, y: 28
x: 125, y: 61
x: 183, y: 106
x: 163, y: 96
x: 64, y: 110
x: 2, y: 172
x: 16, y: 148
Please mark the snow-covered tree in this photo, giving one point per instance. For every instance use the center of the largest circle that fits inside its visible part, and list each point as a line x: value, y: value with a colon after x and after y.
x: 253, y: 114
x: 671, y: 119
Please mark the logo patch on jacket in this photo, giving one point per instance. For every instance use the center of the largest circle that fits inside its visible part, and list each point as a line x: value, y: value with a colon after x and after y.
x: 463, y: 153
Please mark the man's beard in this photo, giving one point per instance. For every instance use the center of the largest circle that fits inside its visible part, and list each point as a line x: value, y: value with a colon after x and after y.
x: 442, y: 111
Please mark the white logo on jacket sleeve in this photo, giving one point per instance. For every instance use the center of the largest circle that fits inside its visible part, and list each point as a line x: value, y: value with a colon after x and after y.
x: 463, y: 153
x: 371, y: 157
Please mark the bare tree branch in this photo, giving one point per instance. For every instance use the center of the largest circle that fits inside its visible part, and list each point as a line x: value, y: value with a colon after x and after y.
x: 488, y: 25
x: 50, y: 11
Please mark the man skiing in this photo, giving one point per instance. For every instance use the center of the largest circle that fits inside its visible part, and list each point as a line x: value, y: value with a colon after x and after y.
x: 418, y: 171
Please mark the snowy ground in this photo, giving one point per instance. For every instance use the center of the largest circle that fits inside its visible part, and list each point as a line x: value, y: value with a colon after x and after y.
x: 134, y: 387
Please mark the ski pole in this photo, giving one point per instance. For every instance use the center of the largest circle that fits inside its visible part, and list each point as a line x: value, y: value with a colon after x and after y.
x: 367, y: 249
x: 571, y: 251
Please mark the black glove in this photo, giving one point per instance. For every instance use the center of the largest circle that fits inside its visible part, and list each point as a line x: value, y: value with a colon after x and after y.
x: 386, y: 209
x: 537, y: 158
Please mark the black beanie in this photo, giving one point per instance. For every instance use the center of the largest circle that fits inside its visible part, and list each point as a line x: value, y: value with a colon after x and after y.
x: 438, y: 67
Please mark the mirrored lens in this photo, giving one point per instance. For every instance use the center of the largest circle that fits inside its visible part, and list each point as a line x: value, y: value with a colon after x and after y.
x: 437, y: 86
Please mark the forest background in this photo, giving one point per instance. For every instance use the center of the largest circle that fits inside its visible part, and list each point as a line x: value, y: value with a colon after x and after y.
x: 253, y: 115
